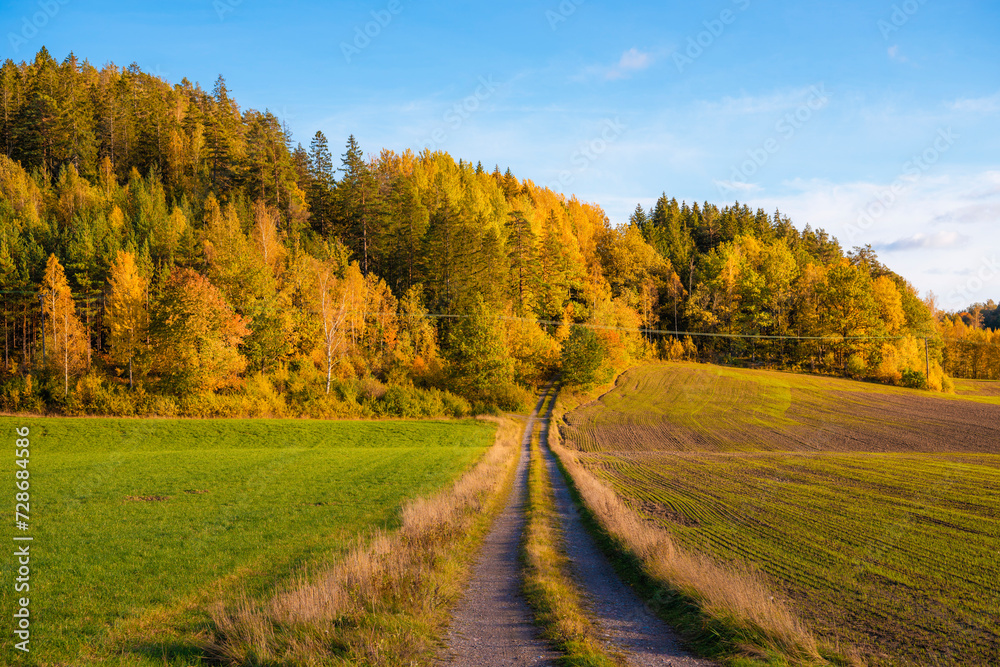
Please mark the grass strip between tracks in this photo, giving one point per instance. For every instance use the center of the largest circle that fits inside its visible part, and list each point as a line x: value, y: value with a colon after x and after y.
x: 548, y: 584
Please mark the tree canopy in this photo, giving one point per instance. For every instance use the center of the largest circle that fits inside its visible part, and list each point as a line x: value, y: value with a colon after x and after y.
x: 187, y: 243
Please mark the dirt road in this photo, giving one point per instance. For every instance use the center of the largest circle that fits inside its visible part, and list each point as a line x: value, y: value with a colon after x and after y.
x: 626, y: 624
x: 493, y: 625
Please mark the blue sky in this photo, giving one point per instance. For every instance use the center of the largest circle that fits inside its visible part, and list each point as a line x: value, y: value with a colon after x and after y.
x: 875, y: 120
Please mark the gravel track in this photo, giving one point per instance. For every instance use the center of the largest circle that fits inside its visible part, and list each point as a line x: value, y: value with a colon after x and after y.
x: 493, y: 625
x: 625, y: 623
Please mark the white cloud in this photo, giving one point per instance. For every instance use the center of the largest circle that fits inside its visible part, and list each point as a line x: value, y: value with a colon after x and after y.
x: 908, y: 231
x: 896, y: 56
x: 631, y: 61
x: 922, y: 241
x: 985, y: 105
x: 971, y: 213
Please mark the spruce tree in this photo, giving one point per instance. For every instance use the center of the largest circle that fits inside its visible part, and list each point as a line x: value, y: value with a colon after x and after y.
x: 359, y: 204
x: 320, y: 184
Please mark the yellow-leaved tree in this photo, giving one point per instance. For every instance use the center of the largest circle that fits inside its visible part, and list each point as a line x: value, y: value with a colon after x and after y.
x: 331, y: 303
x: 125, y: 314
x: 266, y: 238
x: 64, y: 345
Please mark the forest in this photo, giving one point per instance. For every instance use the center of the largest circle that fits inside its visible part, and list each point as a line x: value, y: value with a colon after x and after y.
x: 163, y: 251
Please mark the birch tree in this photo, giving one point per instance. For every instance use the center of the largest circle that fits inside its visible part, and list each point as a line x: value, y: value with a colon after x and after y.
x: 331, y: 304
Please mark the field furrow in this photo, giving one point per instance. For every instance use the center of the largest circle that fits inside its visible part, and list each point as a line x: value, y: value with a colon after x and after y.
x: 875, y: 510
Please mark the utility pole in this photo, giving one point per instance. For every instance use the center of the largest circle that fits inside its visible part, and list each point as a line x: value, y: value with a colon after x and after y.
x: 927, y: 363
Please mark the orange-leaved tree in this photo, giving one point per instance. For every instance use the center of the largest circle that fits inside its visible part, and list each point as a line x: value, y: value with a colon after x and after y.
x: 329, y: 301
x: 196, y: 335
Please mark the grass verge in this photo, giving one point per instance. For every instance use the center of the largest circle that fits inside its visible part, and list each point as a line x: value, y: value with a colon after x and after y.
x: 387, y: 601
x: 725, y: 612
x: 548, y: 585
x: 141, y: 524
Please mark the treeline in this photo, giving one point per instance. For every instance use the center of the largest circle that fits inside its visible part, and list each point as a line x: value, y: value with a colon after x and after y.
x: 973, y: 342
x: 164, y: 252
x: 741, y: 272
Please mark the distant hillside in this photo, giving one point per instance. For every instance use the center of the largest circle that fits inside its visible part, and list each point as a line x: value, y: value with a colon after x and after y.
x: 184, y: 247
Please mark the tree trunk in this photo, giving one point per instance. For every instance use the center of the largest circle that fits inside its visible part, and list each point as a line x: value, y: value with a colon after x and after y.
x: 88, y: 334
x: 66, y: 348
x: 43, y: 332
x: 329, y: 370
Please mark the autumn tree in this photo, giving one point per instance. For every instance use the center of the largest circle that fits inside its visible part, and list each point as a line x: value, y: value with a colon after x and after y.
x: 418, y: 344
x: 889, y: 303
x: 523, y: 260
x: 234, y: 263
x: 196, y: 335
x: 265, y: 237
x: 381, y: 325
x: 126, y: 317
x: 676, y: 292
x: 849, y: 308
x: 66, y: 340
x: 628, y: 261
x: 327, y: 300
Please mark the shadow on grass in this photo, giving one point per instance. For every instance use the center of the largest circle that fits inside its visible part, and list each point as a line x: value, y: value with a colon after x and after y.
x: 173, y: 653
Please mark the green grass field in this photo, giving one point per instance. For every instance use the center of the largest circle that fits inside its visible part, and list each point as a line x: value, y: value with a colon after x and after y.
x: 138, y: 525
x: 896, y: 552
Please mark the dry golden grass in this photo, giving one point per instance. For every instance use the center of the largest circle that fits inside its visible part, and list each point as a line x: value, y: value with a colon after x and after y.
x: 734, y: 595
x: 725, y: 595
x: 387, y: 600
x: 548, y: 584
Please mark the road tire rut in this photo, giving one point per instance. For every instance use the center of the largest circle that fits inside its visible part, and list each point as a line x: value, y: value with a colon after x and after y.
x: 625, y: 622
x: 493, y: 626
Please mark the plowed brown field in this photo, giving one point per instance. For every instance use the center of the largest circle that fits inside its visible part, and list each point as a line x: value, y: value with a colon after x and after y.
x: 682, y: 407
x: 874, y: 511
